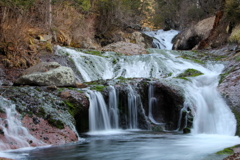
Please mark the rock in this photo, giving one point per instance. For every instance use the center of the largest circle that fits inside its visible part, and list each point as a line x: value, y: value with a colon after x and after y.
x: 230, y: 85
x: 78, y: 100
x: 235, y: 35
x: 189, y: 38
x: 45, y: 38
x: 47, y: 74
x: 81, y: 85
x: 235, y: 156
x: 186, y: 130
x: 147, y: 40
x: 125, y: 48
x: 45, y: 115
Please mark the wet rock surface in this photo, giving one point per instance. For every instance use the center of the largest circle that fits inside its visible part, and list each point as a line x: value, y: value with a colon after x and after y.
x: 44, y: 113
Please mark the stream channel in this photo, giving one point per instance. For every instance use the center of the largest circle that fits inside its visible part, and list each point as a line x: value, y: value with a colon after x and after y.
x: 214, y: 124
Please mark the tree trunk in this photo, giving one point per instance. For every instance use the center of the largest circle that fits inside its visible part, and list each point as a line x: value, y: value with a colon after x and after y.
x: 48, y: 14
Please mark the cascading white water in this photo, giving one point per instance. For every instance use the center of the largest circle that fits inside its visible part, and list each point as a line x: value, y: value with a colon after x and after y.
x: 14, y: 135
x: 211, y: 113
x: 98, y: 115
x: 162, y: 39
x: 113, y: 108
x: 152, y: 102
x: 132, y: 117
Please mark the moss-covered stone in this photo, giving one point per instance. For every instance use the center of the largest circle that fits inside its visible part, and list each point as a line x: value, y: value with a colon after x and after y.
x: 186, y: 130
x: 56, y: 123
x: 237, y: 58
x: 190, y: 73
x: 157, y: 128
x: 98, y: 88
x: 224, y: 75
x: 237, y: 116
x: 71, y: 108
x: 226, y: 151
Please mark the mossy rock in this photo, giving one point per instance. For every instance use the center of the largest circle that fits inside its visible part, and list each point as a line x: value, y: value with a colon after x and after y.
x: 98, y: 88
x: 72, y: 109
x: 186, y: 130
x: 228, y: 151
x: 237, y: 116
x: 190, y: 73
x: 56, y: 123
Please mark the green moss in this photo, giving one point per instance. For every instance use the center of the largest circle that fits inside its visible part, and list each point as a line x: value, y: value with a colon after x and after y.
x: 190, y: 73
x: 170, y: 74
x: 40, y: 113
x: 114, y: 61
x: 98, y: 88
x: 223, y: 75
x: 184, y: 78
x: 186, y: 130
x: 61, y: 89
x: 92, y: 83
x: 228, y: 151
x: 192, y: 59
x: 157, y: 129
x: 237, y: 58
x: 56, y: 123
x: 71, y: 108
x: 38, y: 89
x: 92, y: 52
x: 237, y: 116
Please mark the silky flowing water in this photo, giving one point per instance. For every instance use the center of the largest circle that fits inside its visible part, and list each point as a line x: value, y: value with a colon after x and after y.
x: 214, y: 124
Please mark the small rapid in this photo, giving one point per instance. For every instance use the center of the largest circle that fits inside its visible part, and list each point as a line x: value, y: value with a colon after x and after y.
x: 13, y: 134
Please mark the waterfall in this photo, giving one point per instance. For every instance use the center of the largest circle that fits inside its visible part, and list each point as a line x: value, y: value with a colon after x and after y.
x: 162, y: 39
x: 152, y: 103
x: 211, y: 114
x: 13, y: 134
x: 98, y: 115
x: 132, y: 117
x: 113, y: 107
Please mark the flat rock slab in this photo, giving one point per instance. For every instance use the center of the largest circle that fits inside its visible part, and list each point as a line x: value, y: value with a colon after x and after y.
x: 125, y: 48
x: 47, y: 74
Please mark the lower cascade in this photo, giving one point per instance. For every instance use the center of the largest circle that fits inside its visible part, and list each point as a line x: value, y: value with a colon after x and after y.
x: 13, y: 134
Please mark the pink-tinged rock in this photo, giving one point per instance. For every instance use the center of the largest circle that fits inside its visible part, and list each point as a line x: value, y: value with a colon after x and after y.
x: 48, y: 134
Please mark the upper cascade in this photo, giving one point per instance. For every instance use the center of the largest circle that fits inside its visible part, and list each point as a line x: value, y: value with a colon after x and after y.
x: 162, y: 39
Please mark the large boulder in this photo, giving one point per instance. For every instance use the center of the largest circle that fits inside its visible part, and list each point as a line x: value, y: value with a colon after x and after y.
x: 189, y: 38
x: 235, y: 35
x: 47, y: 74
x: 125, y: 48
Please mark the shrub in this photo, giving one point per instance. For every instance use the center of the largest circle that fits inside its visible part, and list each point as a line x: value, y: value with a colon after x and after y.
x: 232, y: 11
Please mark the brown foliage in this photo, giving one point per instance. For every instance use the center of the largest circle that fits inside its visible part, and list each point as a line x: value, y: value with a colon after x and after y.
x: 13, y: 44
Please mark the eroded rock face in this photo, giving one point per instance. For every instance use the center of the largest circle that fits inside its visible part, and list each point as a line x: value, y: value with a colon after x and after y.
x: 230, y: 86
x: 125, y: 48
x: 46, y: 74
x: 167, y: 105
x: 189, y: 38
x: 42, y: 130
x: 46, y: 116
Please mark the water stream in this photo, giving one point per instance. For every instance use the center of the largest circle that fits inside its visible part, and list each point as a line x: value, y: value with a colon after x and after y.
x: 214, y: 124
